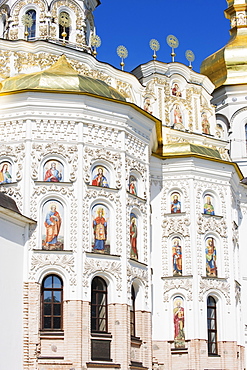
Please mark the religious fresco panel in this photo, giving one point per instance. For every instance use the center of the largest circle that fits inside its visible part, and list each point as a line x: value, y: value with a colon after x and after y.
x: 5, y: 172
x: 133, y: 236
x: 208, y: 208
x: 133, y: 185
x: 53, y: 228
x: 178, y: 320
x: 101, y: 229
x: 177, y: 257
x: 53, y: 171
x: 100, y: 176
x: 175, y: 202
x: 210, y: 251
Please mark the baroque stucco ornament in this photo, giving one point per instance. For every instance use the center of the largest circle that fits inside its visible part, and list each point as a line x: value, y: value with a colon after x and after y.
x: 70, y: 153
x: 174, y: 285
x: 92, y: 266
x: 39, y: 261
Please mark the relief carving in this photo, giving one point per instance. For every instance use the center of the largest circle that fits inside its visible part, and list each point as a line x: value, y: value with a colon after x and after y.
x: 214, y: 284
x: 177, y: 284
x: 38, y: 261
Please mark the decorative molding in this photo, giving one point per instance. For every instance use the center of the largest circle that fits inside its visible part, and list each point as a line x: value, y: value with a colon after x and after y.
x: 70, y: 153
x: 114, y: 198
x: 133, y: 164
x: 39, y: 261
x: 15, y: 193
x: 4, y: 63
x: 175, y: 224
x: 92, y: 266
x: 178, y: 284
x: 142, y: 276
x: 62, y: 191
x: 17, y: 154
x: 125, y: 89
x: 142, y: 248
x: 211, y: 224
x: 214, y: 284
x: 91, y: 155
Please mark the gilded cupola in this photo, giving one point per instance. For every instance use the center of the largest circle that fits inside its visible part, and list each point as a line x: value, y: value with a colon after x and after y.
x: 228, y: 66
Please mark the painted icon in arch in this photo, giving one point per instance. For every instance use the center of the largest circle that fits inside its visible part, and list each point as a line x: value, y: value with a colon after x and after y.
x: 53, y: 226
x: 208, y: 205
x: 133, y: 236
x: 175, y: 203
x: 177, y: 117
x: 178, y: 319
x: 5, y: 172
x: 177, y: 257
x: 176, y: 90
x: 133, y: 185
x: 100, y: 176
x: 205, y: 124
x: 101, y: 229
x: 211, y: 266
x: 53, y: 171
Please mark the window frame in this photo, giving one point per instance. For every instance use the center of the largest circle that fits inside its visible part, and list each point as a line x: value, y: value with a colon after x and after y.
x: 212, y: 306
x: 97, y: 306
x: 32, y: 29
x: 52, y: 316
x: 132, y: 313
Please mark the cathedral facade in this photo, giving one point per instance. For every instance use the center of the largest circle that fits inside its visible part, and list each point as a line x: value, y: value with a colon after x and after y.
x: 128, y: 239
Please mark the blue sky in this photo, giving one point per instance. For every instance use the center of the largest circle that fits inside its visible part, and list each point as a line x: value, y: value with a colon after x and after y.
x: 199, y: 25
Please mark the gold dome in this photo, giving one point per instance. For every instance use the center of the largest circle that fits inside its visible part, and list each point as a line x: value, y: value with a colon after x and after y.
x: 228, y: 66
x: 61, y: 76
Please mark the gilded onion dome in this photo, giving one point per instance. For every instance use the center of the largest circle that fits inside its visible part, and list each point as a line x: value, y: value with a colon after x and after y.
x: 61, y: 76
x: 228, y: 66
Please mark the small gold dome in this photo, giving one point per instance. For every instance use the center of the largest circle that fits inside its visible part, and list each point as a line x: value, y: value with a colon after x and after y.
x: 228, y: 66
x: 61, y: 76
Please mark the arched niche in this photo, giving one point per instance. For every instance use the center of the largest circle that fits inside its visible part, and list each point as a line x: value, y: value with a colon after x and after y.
x: 34, y: 12
x: 178, y: 86
x: 135, y: 184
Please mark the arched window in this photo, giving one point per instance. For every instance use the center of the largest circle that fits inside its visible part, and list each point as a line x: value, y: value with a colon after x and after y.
x: 64, y: 25
x: 52, y: 303
x: 212, y: 326
x: 99, y: 305
x: 132, y: 313
x: 32, y: 29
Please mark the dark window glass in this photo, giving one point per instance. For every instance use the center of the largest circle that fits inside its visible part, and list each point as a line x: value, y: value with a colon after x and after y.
x: 65, y: 20
x: 132, y: 313
x: 99, y: 305
x: 212, y: 326
x: 51, y: 302
x: 32, y: 29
